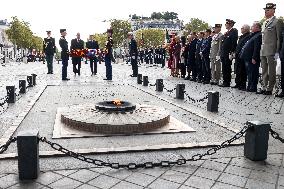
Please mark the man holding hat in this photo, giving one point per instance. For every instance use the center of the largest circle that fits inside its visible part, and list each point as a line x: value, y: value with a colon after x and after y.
x: 49, y: 49
x: 64, y: 54
x: 270, y: 48
x: 215, y: 55
x: 228, y: 48
x: 133, y: 53
x: 108, y: 55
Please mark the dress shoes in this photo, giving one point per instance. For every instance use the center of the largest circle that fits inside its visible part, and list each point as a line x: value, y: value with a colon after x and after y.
x: 251, y: 90
x: 107, y: 79
x: 65, y: 79
x: 260, y: 91
x: 236, y: 86
x: 133, y: 75
x: 267, y: 93
x: 224, y: 85
x: 187, y: 78
x: 280, y: 95
x: 206, y: 82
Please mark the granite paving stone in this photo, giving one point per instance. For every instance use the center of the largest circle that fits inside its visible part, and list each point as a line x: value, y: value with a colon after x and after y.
x: 124, y: 185
x: 84, y: 175
x: 235, y: 170
x: 207, y: 173
x: 257, y: 184
x: 65, y: 183
x: 233, y: 179
x: 175, y: 176
x: 140, y: 179
x: 263, y: 176
x: 31, y: 185
x: 48, y: 178
x: 163, y: 184
x: 104, y: 181
x: 220, y: 185
x: 281, y: 180
x: 87, y: 186
x: 199, y: 182
x: 214, y: 165
x: 8, y: 180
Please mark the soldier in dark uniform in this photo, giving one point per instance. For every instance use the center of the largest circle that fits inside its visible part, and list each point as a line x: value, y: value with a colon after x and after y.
x: 108, y: 55
x: 228, y: 48
x: 77, y: 44
x: 141, y: 56
x: 281, y: 55
x: 49, y: 49
x: 151, y: 55
x: 163, y: 56
x: 204, y: 53
x: 64, y: 54
x: 146, y: 52
x: 92, y: 44
x: 191, y: 62
x: 184, y: 56
x: 133, y: 53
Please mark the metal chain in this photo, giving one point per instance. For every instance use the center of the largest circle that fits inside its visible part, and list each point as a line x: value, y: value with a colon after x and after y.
x: 195, y: 100
x: 169, y: 91
x: 152, y: 85
x: 149, y: 164
x: 5, y: 146
x: 4, y: 102
x: 275, y: 135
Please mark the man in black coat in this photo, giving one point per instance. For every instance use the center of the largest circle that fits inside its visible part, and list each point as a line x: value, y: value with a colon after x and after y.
x: 92, y: 44
x: 198, y: 60
x: 250, y: 53
x: 240, y: 69
x: 204, y: 53
x: 281, y: 55
x: 77, y: 44
x: 49, y: 49
x: 133, y: 53
x: 191, y: 64
x: 64, y: 54
x: 228, y: 48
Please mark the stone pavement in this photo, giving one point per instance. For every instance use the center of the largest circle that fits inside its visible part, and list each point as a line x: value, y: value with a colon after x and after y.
x: 226, y: 169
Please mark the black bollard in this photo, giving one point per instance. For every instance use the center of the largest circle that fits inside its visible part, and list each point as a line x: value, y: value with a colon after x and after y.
x: 30, y: 81
x: 213, y: 101
x: 34, y: 79
x: 145, y: 81
x: 139, y: 78
x: 22, y: 86
x: 11, y: 95
x: 28, y: 155
x: 256, y: 140
x: 159, y: 85
x: 180, y: 91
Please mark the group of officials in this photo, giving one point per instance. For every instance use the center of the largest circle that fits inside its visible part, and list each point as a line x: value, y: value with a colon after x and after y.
x: 203, y: 56
x: 208, y: 55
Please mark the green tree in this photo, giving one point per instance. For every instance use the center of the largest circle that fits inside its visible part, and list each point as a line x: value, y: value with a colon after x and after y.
x: 120, y: 30
x: 157, y: 15
x: 196, y: 25
x: 101, y: 38
x: 170, y: 15
x: 151, y: 37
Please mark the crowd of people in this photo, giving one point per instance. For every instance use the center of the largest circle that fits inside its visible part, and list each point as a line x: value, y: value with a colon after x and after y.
x: 206, y: 56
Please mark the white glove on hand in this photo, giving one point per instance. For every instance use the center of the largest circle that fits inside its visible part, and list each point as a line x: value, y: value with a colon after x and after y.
x: 217, y: 58
x: 133, y: 57
x: 276, y: 56
x: 231, y: 57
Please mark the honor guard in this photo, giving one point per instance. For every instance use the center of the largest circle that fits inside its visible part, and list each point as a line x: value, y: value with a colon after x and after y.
x: 133, y: 53
x: 49, y: 49
x: 64, y: 54
x: 108, y: 55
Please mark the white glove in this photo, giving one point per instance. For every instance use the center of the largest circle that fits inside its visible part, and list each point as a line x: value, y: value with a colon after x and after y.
x: 217, y: 58
x: 276, y: 56
x: 133, y: 57
x: 231, y: 57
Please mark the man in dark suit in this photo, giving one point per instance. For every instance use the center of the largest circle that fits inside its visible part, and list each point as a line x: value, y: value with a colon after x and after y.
x: 250, y: 53
x: 49, y: 49
x: 64, y: 54
x: 77, y: 44
x: 204, y: 53
x: 241, y: 75
x: 108, y: 55
x: 281, y: 55
x: 228, y: 48
x: 133, y: 53
x: 198, y: 61
x: 191, y: 64
x: 93, y: 45
x: 163, y: 56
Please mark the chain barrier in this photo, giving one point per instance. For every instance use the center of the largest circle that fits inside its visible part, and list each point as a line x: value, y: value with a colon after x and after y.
x: 195, y: 100
x: 4, y: 101
x: 149, y: 164
x: 152, y: 85
x: 168, y: 90
x: 275, y: 135
x: 5, y: 146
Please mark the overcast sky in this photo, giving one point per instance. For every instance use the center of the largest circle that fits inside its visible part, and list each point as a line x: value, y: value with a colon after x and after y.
x: 87, y: 16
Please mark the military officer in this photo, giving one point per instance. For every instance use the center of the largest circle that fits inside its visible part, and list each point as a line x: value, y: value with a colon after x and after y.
x: 228, y: 47
x: 49, y: 49
x: 108, y: 55
x: 133, y: 53
x: 92, y: 44
x: 270, y: 48
x: 205, y: 52
x: 77, y: 44
x: 64, y: 54
x: 215, y: 55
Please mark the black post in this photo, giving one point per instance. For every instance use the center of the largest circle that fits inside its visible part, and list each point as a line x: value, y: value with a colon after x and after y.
x: 34, y: 79
x: 30, y: 81
x: 145, y: 81
x: 213, y: 101
x: 22, y: 86
x: 11, y: 95
x: 28, y: 155
x: 256, y: 141
x: 180, y: 91
x: 159, y: 85
x: 139, y: 78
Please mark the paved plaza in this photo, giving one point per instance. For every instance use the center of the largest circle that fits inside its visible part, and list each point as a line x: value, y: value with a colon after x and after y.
x: 228, y: 168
